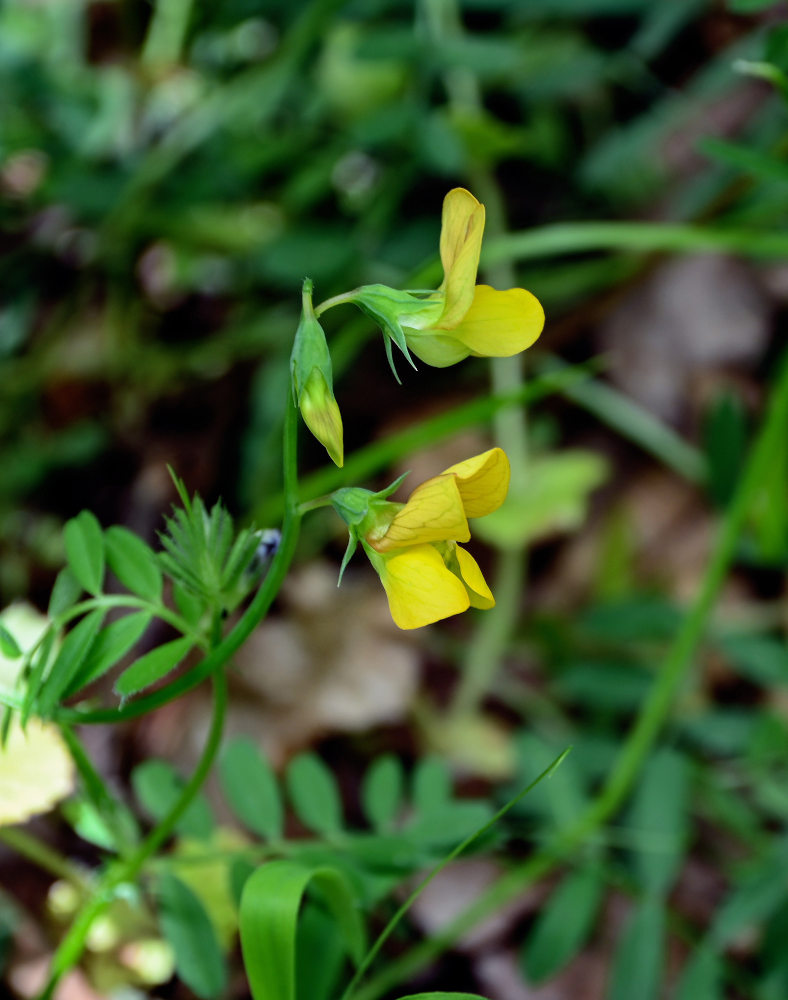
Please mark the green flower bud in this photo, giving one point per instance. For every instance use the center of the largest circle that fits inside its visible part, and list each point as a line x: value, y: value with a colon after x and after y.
x: 312, y: 380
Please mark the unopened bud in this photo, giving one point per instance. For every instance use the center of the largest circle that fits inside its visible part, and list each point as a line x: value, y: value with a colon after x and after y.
x: 321, y: 414
x: 312, y: 379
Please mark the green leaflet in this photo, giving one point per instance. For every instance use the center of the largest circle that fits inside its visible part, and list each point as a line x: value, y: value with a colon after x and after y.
x: 314, y: 793
x: 188, y: 928
x: 153, y: 666
x: 158, y: 786
x: 76, y: 647
x: 112, y: 643
x: 564, y: 924
x: 8, y: 644
x: 638, y: 963
x: 442, y: 996
x: 84, y: 544
x: 65, y: 592
x: 251, y: 788
x: 133, y: 563
x: 381, y: 791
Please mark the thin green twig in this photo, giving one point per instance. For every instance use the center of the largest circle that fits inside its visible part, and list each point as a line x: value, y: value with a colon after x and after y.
x: 44, y: 856
x: 97, y: 791
x: 493, y: 630
x: 455, y: 853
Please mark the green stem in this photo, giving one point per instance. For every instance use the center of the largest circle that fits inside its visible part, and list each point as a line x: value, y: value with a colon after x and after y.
x: 633, y: 422
x: 97, y: 790
x: 372, y: 458
x: 648, y: 724
x: 73, y: 944
x: 492, y: 634
x: 494, y: 630
x: 315, y: 504
x: 336, y: 300
x: 109, y: 601
x: 43, y: 856
x: 562, y: 238
x: 166, y: 33
x: 246, y: 624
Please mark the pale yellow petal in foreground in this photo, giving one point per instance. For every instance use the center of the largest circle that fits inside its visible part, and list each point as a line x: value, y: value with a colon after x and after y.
x: 500, y: 324
x: 420, y: 588
x: 35, y: 772
x: 440, y: 350
x: 483, y: 482
x: 462, y: 228
x: 434, y: 513
x: 479, y: 593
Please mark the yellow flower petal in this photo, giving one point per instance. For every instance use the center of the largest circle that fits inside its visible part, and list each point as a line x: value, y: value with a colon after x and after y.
x: 462, y: 227
x: 36, y: 771
x: 434, y: 513
x: 434, y: 348
x: 499, y: 324
x: 483, y: 482
x: 479, y: 593
x: 420, y: 588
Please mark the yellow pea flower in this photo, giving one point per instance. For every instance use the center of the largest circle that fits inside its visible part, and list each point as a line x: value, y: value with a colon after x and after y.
x: 475, y: 319
x: 414, y: 546
x: 460, y: 318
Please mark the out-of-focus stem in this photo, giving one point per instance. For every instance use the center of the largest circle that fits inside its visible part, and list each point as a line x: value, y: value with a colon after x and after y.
x: 166, y: 34
x: 96, y: 790
x: 494, y: 629
x: 73, y: 944
x: 42, y: 855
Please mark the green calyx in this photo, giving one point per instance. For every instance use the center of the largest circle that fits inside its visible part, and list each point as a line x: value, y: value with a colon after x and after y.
x: 392, y: 309
x: 363, y: 511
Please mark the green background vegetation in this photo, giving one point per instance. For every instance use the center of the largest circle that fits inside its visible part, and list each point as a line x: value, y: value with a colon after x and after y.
x: 170, y: 172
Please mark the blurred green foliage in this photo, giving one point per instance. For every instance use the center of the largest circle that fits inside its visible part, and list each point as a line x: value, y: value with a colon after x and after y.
x: 168, y: 175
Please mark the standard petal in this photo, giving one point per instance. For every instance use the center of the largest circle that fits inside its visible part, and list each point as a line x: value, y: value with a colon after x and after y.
x: 483, y: 482
x: 500, y: 324
x: 479, y: 593
x: 462, y: 227
x: 420, y: 588
x: 434, y: 513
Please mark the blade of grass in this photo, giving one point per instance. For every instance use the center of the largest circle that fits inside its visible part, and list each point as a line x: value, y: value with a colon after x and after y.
x: 633, y: 422
x: 642, y: 237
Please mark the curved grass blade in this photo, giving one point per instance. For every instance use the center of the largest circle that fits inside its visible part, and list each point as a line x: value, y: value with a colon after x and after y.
x: 270, y: 905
